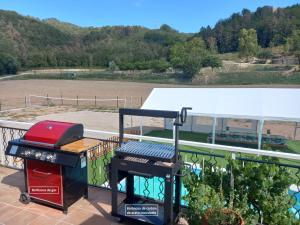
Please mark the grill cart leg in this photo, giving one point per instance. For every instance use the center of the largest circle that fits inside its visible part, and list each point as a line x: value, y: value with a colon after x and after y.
x: 129, y: 188
x: 168, y: 203
x: 114, y: 189
x: 86, y: 193
x: 177, y: 192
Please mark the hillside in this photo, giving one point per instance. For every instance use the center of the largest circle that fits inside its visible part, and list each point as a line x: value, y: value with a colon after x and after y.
x: 273, y: 26
x: 27, y: 42
x: 50, y: 43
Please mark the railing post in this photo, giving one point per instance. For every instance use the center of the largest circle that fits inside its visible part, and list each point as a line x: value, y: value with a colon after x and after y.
x: 95, y: 100
x: 47, y: 100
x: 25, y: 102
x: 61, y: 99
x: 117, y: 102
x: 77, y: 100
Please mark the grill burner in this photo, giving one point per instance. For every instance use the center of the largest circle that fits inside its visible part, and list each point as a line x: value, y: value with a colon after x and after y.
x: 55, y: 163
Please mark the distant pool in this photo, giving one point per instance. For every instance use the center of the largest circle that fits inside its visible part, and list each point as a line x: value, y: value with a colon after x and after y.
x: 156, y: 190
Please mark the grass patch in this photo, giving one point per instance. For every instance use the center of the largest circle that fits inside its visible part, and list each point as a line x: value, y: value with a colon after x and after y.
x: 292, y: 147
x: 256, y: 77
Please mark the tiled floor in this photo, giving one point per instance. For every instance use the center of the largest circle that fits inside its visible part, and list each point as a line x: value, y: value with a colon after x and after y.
x: 94, y: 211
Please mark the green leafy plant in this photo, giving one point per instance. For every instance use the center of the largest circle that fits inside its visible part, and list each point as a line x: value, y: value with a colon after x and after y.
x: 256, y: 191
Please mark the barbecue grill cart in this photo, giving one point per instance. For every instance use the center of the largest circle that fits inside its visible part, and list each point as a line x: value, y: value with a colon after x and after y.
x: 147, y: 160
x: 55, y: 163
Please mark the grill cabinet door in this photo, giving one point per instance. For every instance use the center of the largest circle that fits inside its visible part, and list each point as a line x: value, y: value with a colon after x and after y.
x: 44, y: 181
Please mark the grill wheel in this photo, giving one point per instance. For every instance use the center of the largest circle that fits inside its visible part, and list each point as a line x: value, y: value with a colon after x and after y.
x: 24, y: 198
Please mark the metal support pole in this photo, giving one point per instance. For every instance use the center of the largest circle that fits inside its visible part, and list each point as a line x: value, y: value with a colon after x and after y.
x: 141, y: 127
x: 174, y: 132
x: 260, y: 131
x: 214, y: 130
x: 295, y: 130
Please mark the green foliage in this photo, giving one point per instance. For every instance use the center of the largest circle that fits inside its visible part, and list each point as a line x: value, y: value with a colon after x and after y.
x: 8, y: 64
x: 293, y: 44
x: 212, y: 61
x: 160, y: 65
x: 265, y: 54
x: 248, y: 45
x: 258, y: 191
x: 205, y: 204
x: 189, y: 56
x: 51, y: 43
x: 112, y: 66
x: 272, y: 25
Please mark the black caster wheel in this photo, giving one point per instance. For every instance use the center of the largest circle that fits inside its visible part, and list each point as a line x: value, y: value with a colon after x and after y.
x: 24, y: 198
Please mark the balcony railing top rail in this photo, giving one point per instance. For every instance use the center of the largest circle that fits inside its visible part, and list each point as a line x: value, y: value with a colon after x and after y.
x: 231, y: 149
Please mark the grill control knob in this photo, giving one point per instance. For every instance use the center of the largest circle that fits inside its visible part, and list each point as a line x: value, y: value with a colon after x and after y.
x: 49, y: 157
x: 38, y: 155
x: 27, y: 152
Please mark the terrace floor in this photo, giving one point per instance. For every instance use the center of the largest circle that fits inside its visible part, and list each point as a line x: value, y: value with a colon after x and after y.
x: 95, y: 210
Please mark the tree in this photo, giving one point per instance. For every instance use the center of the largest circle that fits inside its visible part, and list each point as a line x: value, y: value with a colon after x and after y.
x: 293, y: 44
x: 8, y: 64
x: 212, y: 61
x: 248, y: 45
x: 188, y: 56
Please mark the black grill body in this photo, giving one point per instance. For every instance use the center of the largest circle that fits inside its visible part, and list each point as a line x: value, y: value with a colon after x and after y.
x: 147, y: 160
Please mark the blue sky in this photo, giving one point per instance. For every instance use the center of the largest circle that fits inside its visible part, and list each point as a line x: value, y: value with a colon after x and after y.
x: 183, y: 15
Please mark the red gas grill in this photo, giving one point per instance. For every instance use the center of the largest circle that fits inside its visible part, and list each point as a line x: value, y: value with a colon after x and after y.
x: 55, y: 163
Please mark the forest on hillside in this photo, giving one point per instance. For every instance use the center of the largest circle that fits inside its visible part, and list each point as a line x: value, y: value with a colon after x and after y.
x: 27, y: 42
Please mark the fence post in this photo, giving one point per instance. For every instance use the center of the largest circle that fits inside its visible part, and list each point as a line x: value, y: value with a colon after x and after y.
x: 25, y: 102
x: 117, y: 102
x: 61, y: 99
x: 47, y: 100
x: 95, y: 100
x: 77, y: 100
x: 141, y: 101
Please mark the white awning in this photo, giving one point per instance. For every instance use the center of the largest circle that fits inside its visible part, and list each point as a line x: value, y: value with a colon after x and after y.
x: 279, y: 104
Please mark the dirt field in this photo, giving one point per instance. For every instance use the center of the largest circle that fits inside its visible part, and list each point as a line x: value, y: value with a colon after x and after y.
x: 13, y: 92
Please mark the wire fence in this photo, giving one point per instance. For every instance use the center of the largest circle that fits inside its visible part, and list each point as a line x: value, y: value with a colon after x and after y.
x: 203, y: 163
x: 31, y: 101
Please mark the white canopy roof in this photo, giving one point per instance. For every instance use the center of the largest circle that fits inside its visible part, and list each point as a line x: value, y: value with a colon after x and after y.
x: 281, y: 104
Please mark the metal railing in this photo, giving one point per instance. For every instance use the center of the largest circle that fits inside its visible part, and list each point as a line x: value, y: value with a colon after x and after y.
x: 198, y: 155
